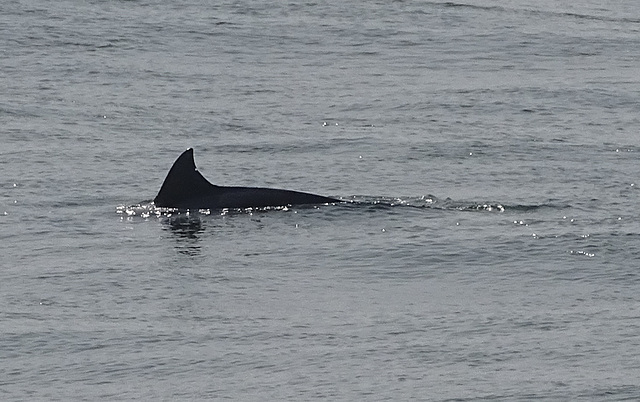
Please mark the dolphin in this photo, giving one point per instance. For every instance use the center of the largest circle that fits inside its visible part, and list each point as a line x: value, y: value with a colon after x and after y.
x: 186, y: 188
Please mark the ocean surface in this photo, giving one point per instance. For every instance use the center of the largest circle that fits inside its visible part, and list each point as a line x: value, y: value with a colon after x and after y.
x: 487, y: 153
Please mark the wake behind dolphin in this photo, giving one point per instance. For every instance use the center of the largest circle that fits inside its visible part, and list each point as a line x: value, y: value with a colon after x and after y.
x: 185, y: 188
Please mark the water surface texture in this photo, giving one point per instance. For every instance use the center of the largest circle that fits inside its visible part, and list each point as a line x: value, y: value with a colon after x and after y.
x: 491, y: 148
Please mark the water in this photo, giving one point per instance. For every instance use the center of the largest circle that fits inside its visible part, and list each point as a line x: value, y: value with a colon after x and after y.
x: 492, y: 149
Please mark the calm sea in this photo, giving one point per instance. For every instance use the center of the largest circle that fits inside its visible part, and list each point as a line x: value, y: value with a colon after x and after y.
x: 492, y: 146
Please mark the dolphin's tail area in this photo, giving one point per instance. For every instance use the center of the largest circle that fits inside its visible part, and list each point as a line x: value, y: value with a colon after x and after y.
x: 258, y: 197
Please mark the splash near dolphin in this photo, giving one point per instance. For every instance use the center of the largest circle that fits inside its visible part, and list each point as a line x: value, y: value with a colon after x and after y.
x: 185, y: 188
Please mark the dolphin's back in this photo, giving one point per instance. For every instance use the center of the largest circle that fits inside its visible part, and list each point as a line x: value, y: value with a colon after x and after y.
x: 186, y: 188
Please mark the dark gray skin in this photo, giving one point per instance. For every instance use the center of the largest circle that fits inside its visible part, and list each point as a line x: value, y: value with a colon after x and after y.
x: 186, y: 188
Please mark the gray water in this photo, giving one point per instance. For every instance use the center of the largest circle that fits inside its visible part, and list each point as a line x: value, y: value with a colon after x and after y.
x: 491, y: 148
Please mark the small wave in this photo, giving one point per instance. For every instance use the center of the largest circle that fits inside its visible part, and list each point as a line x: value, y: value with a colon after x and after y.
x: 544, y: 13
x: 147, y: 209
x: 144, y: 209
x: 433, y: 202
x: 415, y: 202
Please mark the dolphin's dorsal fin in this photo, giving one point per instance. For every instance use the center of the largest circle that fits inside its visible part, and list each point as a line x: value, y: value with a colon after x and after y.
x: 183, y: 182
